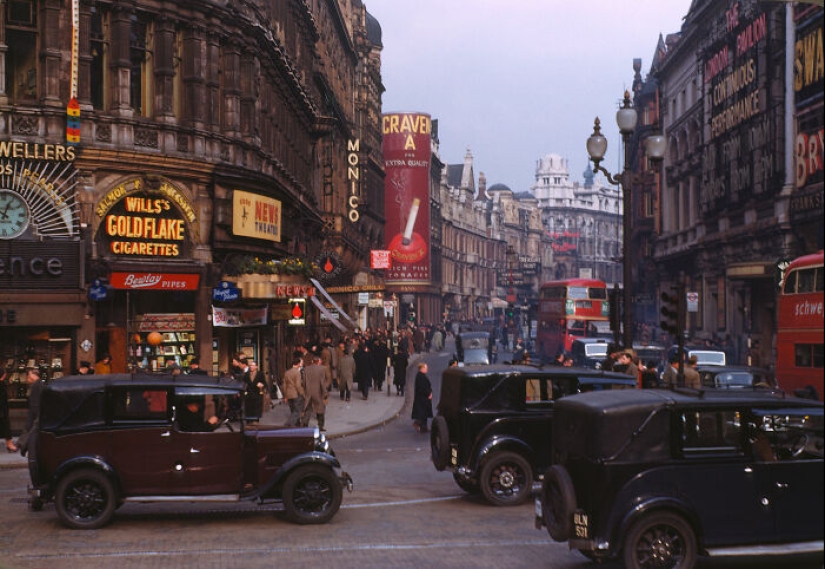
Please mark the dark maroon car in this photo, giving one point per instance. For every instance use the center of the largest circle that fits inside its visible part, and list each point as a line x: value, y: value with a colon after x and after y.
x: 110, y: 439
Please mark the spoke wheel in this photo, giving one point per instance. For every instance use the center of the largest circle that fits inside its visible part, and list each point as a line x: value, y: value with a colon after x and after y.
x: 312, y: 495
x: 85, y: 499
x: 661, y: 540
x: 506, y: 479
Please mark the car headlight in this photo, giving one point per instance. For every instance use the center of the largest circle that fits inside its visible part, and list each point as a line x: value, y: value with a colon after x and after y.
x: 322, y: 444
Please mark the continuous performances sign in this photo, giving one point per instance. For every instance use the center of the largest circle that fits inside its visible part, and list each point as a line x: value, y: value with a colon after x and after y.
x: 406, y: 148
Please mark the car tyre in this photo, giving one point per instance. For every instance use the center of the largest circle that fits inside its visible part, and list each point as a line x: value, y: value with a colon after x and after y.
x: 312, y: 494
x: 558, y: 500
x: 660, y: 539
x: 440, y: 443
x: 85, y: 499
x: 506, y: 479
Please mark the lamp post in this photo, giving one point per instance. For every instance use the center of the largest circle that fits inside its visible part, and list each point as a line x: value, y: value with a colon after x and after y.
x: 655, y: 144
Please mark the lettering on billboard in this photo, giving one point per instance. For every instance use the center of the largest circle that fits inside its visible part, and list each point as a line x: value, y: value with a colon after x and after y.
x: 256, y: 216
x: 354, y: 179
x: 406, y: 149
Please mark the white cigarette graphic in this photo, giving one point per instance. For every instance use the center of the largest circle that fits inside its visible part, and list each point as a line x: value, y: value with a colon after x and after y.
x: 405, y: 240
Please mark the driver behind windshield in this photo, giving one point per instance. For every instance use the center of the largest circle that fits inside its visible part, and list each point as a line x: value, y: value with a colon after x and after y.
x: 195, y: 415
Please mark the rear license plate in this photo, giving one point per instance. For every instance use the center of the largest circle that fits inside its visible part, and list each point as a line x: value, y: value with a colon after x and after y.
x: 581, y: 524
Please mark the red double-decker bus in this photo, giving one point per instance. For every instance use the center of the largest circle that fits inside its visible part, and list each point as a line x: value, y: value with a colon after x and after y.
x: 801, y: 327
x: 570, y: 309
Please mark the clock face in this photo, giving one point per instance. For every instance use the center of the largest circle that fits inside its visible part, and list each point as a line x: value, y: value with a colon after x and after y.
x: 14, y: 215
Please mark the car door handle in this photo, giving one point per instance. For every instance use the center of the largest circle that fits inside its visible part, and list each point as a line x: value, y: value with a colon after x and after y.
x: 748, y: 470
x: 193, y: 450
x: 781, y: 485
x: 166, y: 434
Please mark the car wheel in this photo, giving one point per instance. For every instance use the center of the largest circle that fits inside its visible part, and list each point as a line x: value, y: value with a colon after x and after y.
x: 660, y: 540
x: 440, y: 443
x: 506, y: 479
x: 558, y: 500
x: 312, y: 494
x: 469, y: 486
x: 85, y: 499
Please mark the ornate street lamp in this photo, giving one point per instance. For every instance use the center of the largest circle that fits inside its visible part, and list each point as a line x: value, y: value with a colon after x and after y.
x: 655, y: 146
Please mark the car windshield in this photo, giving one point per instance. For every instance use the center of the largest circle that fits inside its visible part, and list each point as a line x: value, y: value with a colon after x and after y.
x: 595, y: 350
x: 709, y: 358
x: 734, y: 379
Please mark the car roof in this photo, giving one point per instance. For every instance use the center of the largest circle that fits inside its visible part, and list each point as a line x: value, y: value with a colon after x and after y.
x: 474, y: 335
x: 548, y: 371
x: 100, y: 381
x: 605, y: 402
x: 729, y: 369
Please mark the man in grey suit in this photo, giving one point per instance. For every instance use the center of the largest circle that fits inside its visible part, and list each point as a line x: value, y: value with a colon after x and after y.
x: 317, y: 388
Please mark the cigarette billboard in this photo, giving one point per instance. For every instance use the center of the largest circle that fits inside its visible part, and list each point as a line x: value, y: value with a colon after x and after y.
x: 406, y: 148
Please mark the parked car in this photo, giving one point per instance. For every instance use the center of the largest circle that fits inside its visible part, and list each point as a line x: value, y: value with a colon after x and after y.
x: 735, y: 377
x: 492, y: 429
x: 659, y: 477
x: 589, y: 352
x: 106, y: 440
x: 475, y: 348
x: 704, y: 355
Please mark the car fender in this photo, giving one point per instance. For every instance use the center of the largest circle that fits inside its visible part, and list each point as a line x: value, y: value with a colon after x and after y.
x: 621, y: 522
x: 272, y: 488
x: 500, y: 443
x: 77, y: 462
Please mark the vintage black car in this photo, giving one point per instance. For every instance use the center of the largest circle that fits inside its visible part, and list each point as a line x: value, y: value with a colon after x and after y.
x: 735, y: 377
x: 493, y: 425
x: 475, y: 348
x: 105, y: 440
x: 589, y: 352
x: 660, y: 477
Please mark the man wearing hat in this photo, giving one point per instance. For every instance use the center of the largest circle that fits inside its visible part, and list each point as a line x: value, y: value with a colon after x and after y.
x: 627, y: 365
x: 195, y: 368
x: 85, y: 368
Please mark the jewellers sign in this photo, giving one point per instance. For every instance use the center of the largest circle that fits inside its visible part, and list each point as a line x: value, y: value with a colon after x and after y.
x: 39, y: 265
x: 154, y: 281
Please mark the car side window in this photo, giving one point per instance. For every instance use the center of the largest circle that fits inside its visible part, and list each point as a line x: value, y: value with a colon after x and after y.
x: 711, y: 431
x: 538, y: 391
x: 138, y: 404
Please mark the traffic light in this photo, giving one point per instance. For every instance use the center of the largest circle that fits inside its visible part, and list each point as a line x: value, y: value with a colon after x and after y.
x: 510, y: 310
x: 673, y: 311
x: 670, y: 313
x: 411, y: 316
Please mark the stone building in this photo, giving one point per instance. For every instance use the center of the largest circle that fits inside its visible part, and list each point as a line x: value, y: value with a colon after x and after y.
x: 162, y: 148
x: 584, y: 221
x: 741, y: 100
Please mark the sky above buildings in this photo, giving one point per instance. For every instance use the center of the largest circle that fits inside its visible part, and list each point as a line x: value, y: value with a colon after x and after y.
x: 515, y: 80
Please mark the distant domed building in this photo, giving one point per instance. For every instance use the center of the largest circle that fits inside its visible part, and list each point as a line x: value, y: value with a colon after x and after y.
x: 584, y: 221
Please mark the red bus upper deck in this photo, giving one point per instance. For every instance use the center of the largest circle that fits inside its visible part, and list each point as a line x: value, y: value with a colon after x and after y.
x: 570, y: 309
x: 801, y: 327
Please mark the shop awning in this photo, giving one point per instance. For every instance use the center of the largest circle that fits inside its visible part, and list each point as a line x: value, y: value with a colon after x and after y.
x: 498, y: 303
x: 327, y: 313
x: 335, y: 304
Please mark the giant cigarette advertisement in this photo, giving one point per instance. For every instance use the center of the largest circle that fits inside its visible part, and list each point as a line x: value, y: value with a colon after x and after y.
x: 406, y: 149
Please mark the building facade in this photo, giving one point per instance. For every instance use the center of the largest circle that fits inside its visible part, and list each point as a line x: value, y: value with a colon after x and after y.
x: 741, y: 96
x: 185, y: 168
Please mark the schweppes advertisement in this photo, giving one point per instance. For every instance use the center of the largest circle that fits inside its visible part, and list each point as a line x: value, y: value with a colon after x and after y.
x: 256, y: 216
x: 142, y: 223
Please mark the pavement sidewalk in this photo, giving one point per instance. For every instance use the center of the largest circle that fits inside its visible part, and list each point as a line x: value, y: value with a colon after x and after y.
x: 342, y: 418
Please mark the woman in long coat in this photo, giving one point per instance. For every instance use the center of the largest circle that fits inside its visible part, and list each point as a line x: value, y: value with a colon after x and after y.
x: 400, y: 361
x: 363, y: 368
x: 423, y: 401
